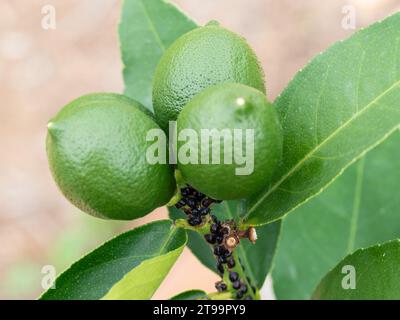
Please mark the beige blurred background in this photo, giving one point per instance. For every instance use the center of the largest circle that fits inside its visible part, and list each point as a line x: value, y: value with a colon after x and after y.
x: 41, y: 70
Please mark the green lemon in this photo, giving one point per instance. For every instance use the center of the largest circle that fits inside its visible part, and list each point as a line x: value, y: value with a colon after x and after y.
x: 96, y: 146
x: 229, y: 141
x: 201, y: 58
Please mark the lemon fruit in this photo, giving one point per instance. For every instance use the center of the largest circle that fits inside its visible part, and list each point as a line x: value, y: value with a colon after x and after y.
x: 228, y: 107
x: 201, y: 58
x: 96, y: 146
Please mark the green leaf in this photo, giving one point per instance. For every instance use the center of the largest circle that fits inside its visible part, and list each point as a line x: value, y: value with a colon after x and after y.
x: 130, y: 266
x: 196, y: 242
x: 376, y: 274
x: 256, y: 258
x: 360, y: 209
x: 344, y: 103
x: 190, y: 295
x: 147, y: 29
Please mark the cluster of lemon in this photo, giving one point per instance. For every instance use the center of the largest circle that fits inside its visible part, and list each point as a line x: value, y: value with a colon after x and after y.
x: 208, y: 78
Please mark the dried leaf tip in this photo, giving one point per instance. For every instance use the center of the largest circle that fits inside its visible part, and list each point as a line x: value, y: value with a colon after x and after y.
x: 252, y: 234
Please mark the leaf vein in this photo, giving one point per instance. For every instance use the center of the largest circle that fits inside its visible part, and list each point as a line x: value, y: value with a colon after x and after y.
x: 323, y: 86
x: 310, y: 154
x: 152, y: 27
x: 240, y: 248
x: 356, y: 206
x: 359, y: 80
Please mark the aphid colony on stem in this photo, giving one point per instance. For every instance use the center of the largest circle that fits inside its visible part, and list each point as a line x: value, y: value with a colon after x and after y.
x: 224, y: 237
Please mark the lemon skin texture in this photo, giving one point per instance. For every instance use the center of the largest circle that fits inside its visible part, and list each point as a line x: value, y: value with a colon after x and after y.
x: 96, y: 147
x: 231, y: 106
x: 203, y: 57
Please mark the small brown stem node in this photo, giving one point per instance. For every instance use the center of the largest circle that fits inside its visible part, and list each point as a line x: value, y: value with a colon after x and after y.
x: 231, y: 241
x: 250, y: 234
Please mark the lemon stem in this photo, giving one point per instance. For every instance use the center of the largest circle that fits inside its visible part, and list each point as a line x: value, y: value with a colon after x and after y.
x: 175, y: 199
x: 220, y: 295
x: 202, y: 229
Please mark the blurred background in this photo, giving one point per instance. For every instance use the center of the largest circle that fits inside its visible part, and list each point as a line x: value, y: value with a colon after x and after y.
x: 42, y: 70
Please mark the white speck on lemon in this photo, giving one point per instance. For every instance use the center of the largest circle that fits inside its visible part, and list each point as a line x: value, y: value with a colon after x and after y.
x: 240, y: 102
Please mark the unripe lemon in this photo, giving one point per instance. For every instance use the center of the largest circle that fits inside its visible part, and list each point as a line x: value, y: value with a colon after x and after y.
x: 226, y: 109
x: 201, y: 58
x: 96, y: 146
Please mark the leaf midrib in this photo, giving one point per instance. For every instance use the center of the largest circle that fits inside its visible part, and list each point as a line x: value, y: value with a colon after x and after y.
x: 150, y: 262
x: 241, y: 249
x: 129, y: 257
x: 152, y: 26
x: 356, y: 206
x: 319, y: 146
